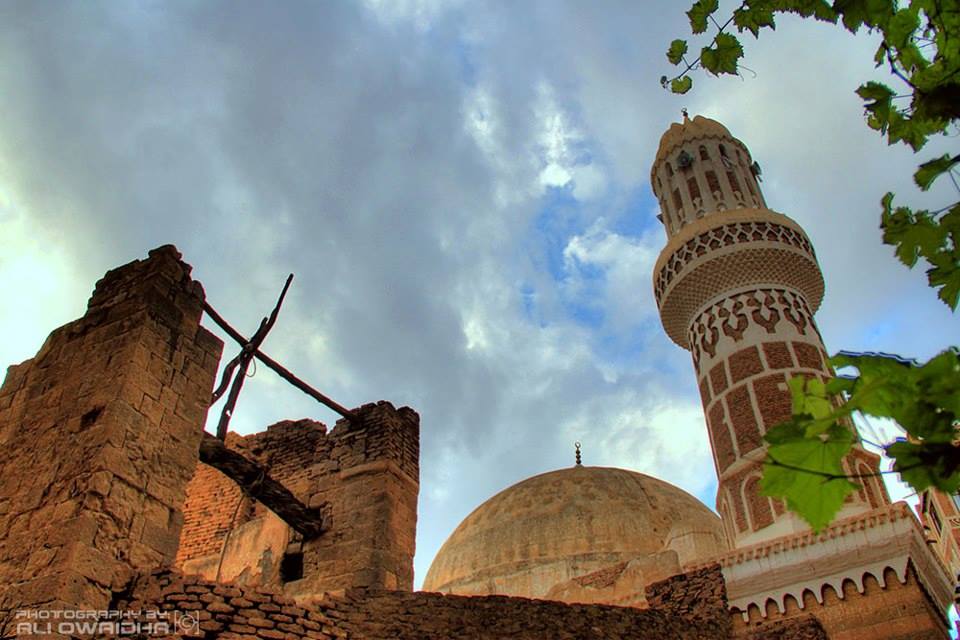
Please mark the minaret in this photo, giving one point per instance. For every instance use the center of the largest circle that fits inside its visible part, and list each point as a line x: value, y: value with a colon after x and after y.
x: 737, y: 285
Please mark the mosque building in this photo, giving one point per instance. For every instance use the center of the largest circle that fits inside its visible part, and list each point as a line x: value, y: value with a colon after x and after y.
x: 737, y: 285
x: 113, y: 498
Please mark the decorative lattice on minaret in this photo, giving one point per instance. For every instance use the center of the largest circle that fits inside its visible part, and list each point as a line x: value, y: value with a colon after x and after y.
x: 737, y: 285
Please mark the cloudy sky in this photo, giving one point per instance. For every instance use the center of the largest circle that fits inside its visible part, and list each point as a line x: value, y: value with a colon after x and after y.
x: 462, y: 192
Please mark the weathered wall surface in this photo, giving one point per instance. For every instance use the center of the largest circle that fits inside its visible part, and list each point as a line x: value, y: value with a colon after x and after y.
x: 894, y: 611
x: 693, y: 608
x: 99, y: 436
x: 801, y: 628
x: 364, y: 474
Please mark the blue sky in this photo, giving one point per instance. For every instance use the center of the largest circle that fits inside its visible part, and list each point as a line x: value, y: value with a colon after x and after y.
x: 462, y: 191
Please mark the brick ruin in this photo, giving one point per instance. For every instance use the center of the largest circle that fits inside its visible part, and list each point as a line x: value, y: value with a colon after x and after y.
x: 364, y: 476
x: 104, y: 503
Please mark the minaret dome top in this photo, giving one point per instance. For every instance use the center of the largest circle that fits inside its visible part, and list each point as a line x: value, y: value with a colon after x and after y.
x: 700, y: 170
x: 680, y: 132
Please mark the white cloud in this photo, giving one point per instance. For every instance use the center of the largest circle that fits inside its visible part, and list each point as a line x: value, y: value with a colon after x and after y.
x: 41, y: 290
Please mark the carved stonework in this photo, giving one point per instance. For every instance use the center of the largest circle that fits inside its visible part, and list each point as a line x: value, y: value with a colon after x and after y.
x: 725, y: 236
x: 731, y: 317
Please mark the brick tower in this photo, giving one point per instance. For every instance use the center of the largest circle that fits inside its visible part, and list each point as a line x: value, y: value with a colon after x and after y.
x: 737, y: 285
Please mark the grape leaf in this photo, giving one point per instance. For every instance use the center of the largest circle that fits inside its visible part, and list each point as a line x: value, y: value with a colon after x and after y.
x: 946, y: 278
x: 901, y: 27
x: 681, y: 85
x: 700, y: 12
x: 808, y: 474
x: 818, y: 9
x: 932, y: 169
x: 752, y: 18
x: 678, y: 48
x: 722, y: 57
x: 857, y: 13
x: 912, y: 234
x: 925, y: 465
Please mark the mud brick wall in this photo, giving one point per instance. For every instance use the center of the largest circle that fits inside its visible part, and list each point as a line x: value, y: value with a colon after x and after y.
x: 802, y: 628
x: 287, y: 449
x: 232, y: 612
x: 364, y: 474
x: 99, y: 435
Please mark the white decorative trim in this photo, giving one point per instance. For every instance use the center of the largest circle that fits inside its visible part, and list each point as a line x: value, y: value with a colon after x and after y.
x: 868, y: 543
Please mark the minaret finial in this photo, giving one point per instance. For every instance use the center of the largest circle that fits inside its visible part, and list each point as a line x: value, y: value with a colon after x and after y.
x: 577, y: 448
x: 686, y: 118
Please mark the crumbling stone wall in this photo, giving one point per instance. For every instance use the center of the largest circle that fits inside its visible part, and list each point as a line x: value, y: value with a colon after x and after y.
x: 216, y: 505
x: 364, y: 475
x: 99, y: 435
x: 801, y: 628
x: 699, y: 595
x: 232, y: 612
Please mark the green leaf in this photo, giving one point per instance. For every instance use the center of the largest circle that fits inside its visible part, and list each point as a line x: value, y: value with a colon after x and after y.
x: 805, y: 453
x: 722, y: 57
x: 875, y: 91
x: 946, y: 277
x: 916, y: 234
x: 700, y: 12
x: 798, y: 393
x: 879, y: 99
x: 924, y: 399
x: 925, y: 465
x: 678, y: 48
x: 912, y: 233
x: 681, y: 85
x: 856, y: 13
x: 901, y: 27
x: 808, y: 474
x: 932, y: 169
x: 752, y: 18
x: 817, y: 9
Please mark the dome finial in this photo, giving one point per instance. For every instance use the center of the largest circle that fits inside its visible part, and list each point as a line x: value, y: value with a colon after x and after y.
x: 686, y: 117
x: 577, y: 448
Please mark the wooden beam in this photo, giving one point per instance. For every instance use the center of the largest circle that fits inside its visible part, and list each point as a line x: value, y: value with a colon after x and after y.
x: 278, y: 368
x: 257, y: 483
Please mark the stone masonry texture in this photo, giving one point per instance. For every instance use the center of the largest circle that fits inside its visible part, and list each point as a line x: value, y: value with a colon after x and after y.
x: 364, y: 477
x: 690, y: 606
x: 99, y: 433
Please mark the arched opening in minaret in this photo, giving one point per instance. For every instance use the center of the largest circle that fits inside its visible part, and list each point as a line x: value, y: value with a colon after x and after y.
x: 752, y: 191
x: 703, y: 153
x: 713, y: 185
x: 735, y: 186
x: 695, y: 198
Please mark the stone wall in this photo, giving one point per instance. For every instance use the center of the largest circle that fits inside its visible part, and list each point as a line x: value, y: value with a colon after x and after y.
x: 801, y: 628
x: 693, y: 608
x: 364, y: 475
x: 99, y: 436
x: 699, y: 595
